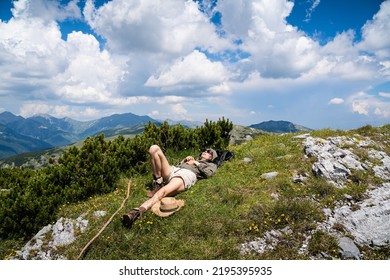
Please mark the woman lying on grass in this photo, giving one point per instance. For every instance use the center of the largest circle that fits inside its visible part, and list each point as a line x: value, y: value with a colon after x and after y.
x: 170, y: 180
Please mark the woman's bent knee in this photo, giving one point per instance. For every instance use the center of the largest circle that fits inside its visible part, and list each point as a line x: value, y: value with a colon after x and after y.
x: 154, y: 149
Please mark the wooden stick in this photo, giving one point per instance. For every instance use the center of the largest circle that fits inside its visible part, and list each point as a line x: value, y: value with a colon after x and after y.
x: 82, y: 253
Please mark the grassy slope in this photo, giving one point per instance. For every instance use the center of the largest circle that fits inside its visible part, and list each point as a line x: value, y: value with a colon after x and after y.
x: 236, y: 205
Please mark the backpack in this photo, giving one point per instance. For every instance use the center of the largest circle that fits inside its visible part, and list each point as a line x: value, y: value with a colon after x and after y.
x: 223, y: 155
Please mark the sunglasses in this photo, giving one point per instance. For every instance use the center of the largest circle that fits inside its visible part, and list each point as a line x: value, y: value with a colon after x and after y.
x: 209, y: 151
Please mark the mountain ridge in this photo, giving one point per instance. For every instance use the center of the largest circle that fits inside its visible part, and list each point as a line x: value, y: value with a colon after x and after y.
x: 279, y: 126
x: 13, y: 143
x: 43, y: 131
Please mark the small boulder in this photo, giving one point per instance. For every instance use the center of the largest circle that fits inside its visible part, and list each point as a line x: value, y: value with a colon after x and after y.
x: 269, y: 175
x: 348, y: 249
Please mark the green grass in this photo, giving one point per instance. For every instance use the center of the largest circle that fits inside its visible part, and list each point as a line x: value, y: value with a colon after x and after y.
x: 234, y: 206
x: 322, y: 242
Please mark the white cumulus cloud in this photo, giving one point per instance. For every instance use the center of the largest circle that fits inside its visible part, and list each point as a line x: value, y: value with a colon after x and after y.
x: 384, y: 94
x: 336, y: 101
x: 36, y: 63
x: 276, y: 48
x: 91, y: 75
x: 192, y: 71
x: 366, y: 104
x: 156, y: 26
x: 376, y: 37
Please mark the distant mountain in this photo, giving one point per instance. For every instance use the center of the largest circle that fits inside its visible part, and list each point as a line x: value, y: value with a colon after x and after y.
x: 240, y: 134
x: 116, y: 121
x: 7, y: 117
x: 134, y: 130
x: 13, y: 143
x: 279, y: 127
x: 65, y: 124
x: 185, y: 123
x: 19, y: 135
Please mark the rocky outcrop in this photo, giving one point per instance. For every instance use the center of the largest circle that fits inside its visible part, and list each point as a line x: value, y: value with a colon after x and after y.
x: 381, y: 171
x: 268, y: 242
x: 366, y: 221
x: 334, y: 162
x: 45, y: 244
x: 336, y: 159
x: 242, y: 134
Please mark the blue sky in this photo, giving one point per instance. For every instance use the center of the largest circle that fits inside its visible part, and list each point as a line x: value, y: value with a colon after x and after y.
x: 318, y: 63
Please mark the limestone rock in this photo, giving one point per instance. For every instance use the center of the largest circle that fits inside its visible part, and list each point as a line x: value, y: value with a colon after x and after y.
x: 43, y: 246
x: 247, y: 160
x: 381, y: 171
x: 269, y: 175
x: 265, y: 243
x: 370, y: 223
x: 348, y: 249
x: 334, y: 163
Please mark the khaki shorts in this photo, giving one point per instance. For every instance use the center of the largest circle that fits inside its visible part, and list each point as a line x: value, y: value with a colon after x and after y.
x: 188, y: 177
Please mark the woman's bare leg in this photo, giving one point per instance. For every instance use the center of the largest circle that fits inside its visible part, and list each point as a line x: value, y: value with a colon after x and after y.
x: 175, y: 186
x: 160, y: 164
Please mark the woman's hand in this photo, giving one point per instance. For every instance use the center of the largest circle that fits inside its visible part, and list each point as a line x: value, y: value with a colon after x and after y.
x: 189, y: 158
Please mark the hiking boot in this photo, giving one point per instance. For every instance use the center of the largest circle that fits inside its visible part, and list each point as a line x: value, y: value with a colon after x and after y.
x: 156, y: 186
x: 130, y: 217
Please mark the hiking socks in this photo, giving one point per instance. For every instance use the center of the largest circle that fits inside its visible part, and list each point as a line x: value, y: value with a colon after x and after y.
x: 158, y: 180
x: 156, y: 185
